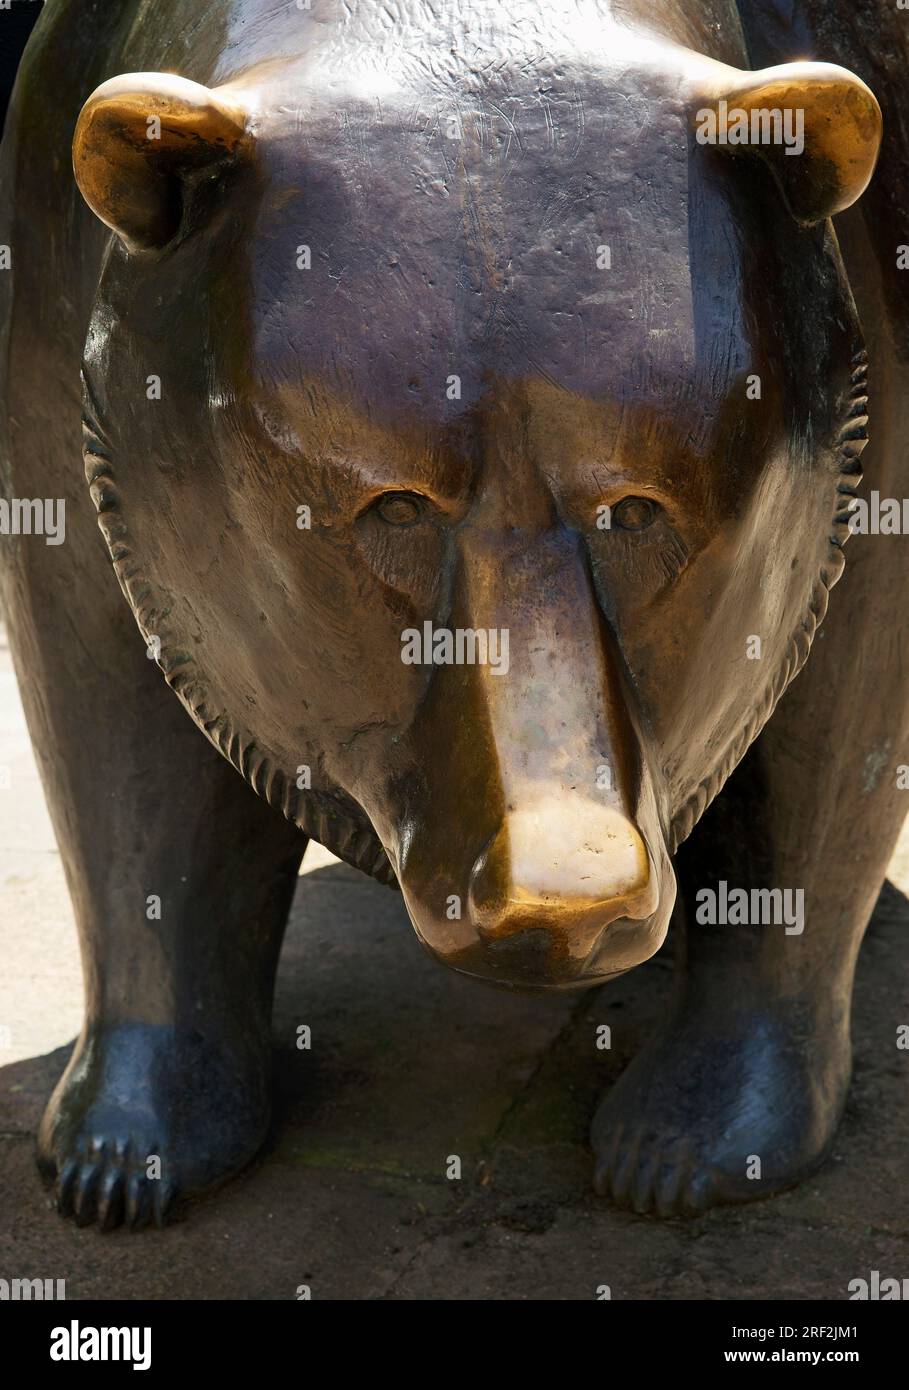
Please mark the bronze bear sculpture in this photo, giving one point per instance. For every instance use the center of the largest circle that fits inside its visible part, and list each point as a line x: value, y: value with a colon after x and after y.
x: 473, y: 404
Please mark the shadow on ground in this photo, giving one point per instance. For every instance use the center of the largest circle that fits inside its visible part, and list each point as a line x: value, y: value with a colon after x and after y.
x: 410, y: 1065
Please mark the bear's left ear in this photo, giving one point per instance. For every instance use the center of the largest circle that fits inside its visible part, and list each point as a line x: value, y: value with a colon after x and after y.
x: 816, y: 125
x: 138, y: 139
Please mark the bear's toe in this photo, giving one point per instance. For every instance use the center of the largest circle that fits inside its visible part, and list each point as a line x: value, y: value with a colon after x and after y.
x: 106, y: 1183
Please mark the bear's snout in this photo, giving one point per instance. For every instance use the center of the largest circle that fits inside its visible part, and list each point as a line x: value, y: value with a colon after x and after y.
x: 552, y: 881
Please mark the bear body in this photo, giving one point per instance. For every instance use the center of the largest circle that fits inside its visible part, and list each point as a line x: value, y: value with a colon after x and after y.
x: 475, y: 449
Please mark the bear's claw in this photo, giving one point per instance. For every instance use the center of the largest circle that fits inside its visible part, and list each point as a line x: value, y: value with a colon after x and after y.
x: 108, y: 1186
x: 687, y: 1126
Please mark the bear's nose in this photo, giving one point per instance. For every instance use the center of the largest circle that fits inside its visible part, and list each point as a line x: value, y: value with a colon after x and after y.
x: 565, y: 865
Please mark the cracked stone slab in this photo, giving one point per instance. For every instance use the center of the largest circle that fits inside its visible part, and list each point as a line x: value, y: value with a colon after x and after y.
x: 409, y: 1064
x: 726, y: 1255
x: 262, y: 1237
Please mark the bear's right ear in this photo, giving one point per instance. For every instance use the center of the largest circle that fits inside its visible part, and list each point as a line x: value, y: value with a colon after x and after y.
x: 834, y: 124
x: 138, y: 138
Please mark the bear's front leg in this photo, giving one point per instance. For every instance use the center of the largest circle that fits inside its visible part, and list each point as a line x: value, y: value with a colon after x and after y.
x: 168, y: 1089
x: 740, y: 1093
x: 181, y: 880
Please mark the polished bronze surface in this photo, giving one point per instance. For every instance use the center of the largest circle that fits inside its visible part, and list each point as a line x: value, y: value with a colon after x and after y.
x: 134, y: 193
x: 472, y: 402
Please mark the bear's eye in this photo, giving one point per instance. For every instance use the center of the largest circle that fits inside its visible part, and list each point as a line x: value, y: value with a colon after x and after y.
x: 400, y: 508
x: 634, y: 513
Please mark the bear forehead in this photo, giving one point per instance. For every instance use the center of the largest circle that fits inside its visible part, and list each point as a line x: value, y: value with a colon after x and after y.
x: 520, y: 233
x: 419, y: 43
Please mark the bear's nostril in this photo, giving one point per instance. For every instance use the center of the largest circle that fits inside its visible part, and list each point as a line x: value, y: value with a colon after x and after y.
x: 531, y: 943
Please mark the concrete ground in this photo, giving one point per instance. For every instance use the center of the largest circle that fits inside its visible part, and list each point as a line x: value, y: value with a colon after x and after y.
x: 410, y: 1065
